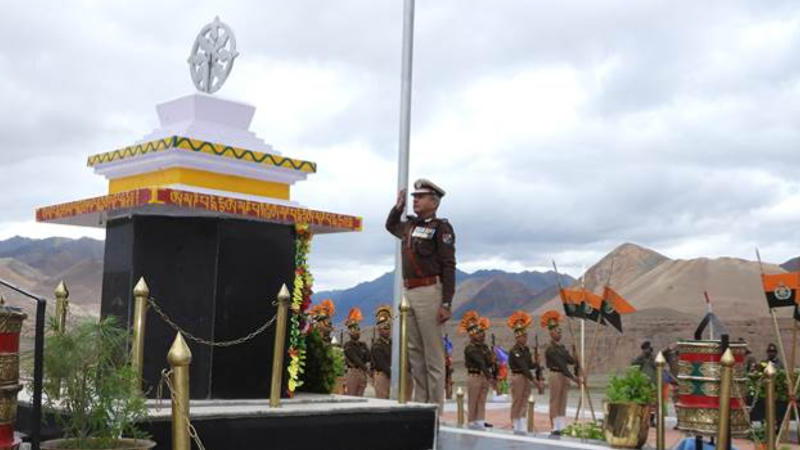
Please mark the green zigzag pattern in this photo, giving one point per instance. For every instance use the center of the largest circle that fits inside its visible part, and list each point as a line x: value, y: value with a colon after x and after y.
x: 141, y: 149
x: 241, y: 153
x: 176, y: 141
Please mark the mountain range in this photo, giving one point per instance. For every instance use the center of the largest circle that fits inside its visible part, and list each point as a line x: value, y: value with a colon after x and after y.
x: 493, y: 293
x: 648, y: 279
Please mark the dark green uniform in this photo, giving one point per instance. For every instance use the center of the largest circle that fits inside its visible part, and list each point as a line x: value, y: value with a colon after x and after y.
x: 522, y: 367
x: 558, y: 360
x: 647, y: 364
x: 480, y: 367
x: 382, y: 365
x: 356, y: 356
x: 521, y: 362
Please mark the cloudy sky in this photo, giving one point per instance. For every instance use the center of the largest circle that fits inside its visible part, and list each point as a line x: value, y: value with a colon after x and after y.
x: 559, y: 129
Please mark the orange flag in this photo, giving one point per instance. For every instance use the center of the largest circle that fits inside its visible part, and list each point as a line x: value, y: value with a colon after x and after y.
x: 781, y: 288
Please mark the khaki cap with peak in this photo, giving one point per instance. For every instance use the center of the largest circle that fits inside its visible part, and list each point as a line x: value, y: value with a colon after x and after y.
x: 424, y: 186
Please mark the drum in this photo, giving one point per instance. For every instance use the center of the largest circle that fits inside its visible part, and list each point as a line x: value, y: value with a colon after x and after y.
x: 10, y: 327
x: 699, y: 372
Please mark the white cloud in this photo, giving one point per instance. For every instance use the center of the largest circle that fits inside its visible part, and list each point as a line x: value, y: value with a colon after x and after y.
x: 559, y: 130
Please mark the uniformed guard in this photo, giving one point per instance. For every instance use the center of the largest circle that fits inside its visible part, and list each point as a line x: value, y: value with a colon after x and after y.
x: 522, y: 368
x: 382, y: 351
x: 356, y: 355
x: 558, y: 360
x: 322, y: 315
x: 429, y: 267
x: 478, y: 361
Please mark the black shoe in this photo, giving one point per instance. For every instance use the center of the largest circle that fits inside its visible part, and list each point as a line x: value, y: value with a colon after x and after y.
x: 555, y: 433
x: 487, y: 425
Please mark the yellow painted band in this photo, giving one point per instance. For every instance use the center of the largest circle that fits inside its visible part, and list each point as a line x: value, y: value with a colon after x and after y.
x: 203, y: 179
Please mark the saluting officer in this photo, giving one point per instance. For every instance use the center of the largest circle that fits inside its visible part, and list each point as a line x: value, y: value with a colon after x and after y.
x: 522, y: 369
x: 429, y: 266
x: 479, y: 361
x: 382, y: 352
x: 356, y: 356
x: 558, y: 359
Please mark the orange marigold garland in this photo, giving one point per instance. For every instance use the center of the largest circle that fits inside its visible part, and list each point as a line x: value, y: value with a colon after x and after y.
x: 300, y: 323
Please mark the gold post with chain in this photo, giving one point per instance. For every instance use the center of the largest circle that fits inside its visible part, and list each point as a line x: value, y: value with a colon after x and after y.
x: 153, y: 304
x: 277, y: 355
x: 179, y: 358
x: 140, y: 294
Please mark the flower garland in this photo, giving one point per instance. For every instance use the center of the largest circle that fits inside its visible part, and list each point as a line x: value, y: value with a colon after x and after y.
x: 299, y: 325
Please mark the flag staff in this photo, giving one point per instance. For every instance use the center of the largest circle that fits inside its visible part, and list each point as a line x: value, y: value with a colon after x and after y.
x: 402, y: 174
x: 789, y: 373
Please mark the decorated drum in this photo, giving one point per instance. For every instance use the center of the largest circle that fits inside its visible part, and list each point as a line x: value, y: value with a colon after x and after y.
x: 699, y: 372
x: 10, y: 327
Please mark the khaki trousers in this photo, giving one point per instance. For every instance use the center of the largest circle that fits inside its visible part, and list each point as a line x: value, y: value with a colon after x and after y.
x: 520, y: 391
x: 559, y: 389
x: 425, y: 345
x: 477, y: 391
x: 355, y: 381
x: 382, y: 385
x: 339, y: 386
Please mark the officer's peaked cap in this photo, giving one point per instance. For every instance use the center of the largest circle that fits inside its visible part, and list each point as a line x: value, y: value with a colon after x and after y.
x: 424, y: 186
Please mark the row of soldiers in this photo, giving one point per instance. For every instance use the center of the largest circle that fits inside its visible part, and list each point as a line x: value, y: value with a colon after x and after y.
x: 525, y: 369
x: 364, y: 362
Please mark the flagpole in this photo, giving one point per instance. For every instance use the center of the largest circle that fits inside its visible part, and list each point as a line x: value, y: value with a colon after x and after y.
x: 789, y: 374
x: 402, y: 175
x: 571, y: 332
x: 709, y: 311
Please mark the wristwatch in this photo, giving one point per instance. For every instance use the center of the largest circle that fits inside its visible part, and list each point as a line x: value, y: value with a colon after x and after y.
x: 446, y: 305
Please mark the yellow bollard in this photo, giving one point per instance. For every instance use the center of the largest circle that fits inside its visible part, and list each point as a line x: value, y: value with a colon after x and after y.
x: 62, y: 306
x: 277, y: 352
x: 660, y: 362
x: 723, y: 430
x: 404, y: 307
x: 179, y: 358
x: 141, y: 292
x: 460, y: 406
x: 769, y: 372
x: 531, y: 405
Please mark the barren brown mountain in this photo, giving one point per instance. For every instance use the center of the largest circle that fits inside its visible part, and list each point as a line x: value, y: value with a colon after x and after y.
x: 650, y: 280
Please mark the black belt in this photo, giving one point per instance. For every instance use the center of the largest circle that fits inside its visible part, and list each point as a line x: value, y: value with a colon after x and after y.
x: 475, y: 372
x: 519, y: 372
x: 554, y: 370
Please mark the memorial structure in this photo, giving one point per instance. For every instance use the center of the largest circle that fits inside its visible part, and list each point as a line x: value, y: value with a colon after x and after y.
x: 201, y: 208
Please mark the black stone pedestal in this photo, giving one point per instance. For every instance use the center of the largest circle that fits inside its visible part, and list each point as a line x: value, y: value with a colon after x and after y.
x: 216, y: 278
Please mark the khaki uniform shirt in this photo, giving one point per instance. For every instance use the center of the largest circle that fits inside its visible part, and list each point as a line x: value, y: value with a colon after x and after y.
x: 382, y: 355
x: 356, y: 354
x: 428, y: 249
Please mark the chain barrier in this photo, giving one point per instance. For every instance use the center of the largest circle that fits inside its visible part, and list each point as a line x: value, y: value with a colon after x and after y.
x: 152, y: 302
x: 165, y: 380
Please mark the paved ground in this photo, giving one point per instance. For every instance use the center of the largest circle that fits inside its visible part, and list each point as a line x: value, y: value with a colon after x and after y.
x: 499, y: 437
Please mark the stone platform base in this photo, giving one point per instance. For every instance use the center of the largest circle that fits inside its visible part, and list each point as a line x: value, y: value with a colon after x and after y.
x: 307, y: 421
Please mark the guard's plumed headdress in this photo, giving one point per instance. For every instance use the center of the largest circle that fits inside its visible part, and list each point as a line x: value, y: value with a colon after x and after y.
x: 354, y: 317
x: 383, y: 316
x: 551, y: 319
x: 519, y: 322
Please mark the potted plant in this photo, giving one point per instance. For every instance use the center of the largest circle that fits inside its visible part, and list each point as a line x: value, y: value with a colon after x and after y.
x: 629, y: 402
x: 756, y: 393
x: 91, y: 388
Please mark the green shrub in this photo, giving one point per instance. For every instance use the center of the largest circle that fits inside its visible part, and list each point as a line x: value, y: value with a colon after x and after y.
x: 633, y: 387
x: 90, y: 385
x: 324, y: 364
x: 588, y: 430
